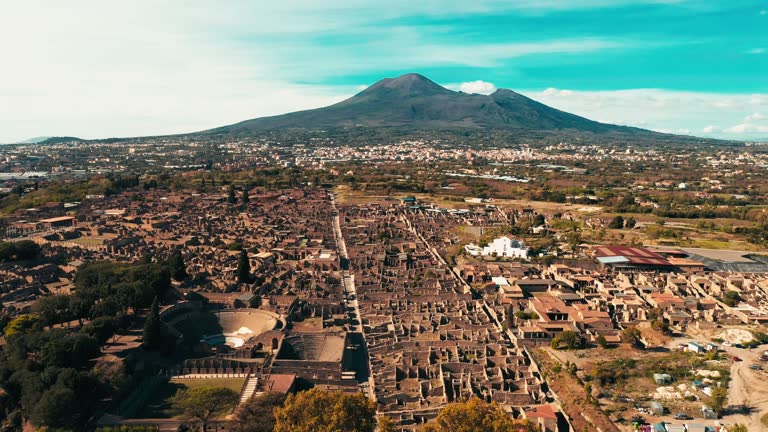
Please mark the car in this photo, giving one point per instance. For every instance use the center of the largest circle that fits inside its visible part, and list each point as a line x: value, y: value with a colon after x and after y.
x: 736, y: 359
x: 738, y: 346
x: 726, y: 344
x: 755, y: 367
x: 682, y: 416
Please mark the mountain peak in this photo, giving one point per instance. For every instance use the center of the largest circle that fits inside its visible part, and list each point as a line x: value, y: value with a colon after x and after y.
x: 408, y: 85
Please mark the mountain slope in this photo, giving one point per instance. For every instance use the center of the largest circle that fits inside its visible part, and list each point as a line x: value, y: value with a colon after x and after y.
x: 415, y: 101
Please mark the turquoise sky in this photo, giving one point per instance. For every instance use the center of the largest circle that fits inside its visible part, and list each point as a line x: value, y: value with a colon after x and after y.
x: 98, y: 69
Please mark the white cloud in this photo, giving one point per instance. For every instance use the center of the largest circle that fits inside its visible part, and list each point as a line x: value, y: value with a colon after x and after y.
x: 663, y: 110
x: 754, y: 117
x: 479, y: 87
x: 763, y: 12
x: 551, y: 91
x: 744, y: 128
x: 756, y: 51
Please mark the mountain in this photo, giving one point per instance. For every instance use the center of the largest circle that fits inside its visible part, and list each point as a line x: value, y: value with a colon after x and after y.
x: 416, y: 102
x: 34, y: 140
x: 60, y: 140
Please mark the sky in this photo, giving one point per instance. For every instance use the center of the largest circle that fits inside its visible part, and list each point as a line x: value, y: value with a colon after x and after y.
x: 98, y: 69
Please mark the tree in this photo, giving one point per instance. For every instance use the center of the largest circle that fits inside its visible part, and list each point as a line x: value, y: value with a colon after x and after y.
x: 601, y: 341
x: 177, y: 266
x: 631, y: 335
x: 719, y: 399
x: 731, y: 298
x: 257, y: 414
x: 19, y: 251
x: 204, y: 403
x: 57, y: 407
x: 102, y: 328
x: 153, y: 328
x: 243, y: 268
x: 738, y: 427
x: 22, y: 324
x: 53, y: 309
x: 319, y: 411
x: 616, y: 223
x: 573, y: 238
x: 655, y: 314
x: 7, y: 251
x: 539, y: 220
x: 661, y: 326
x: 386, y: 424
x: 630, y: 223
x: 475, y: 415
x: 244, y: 198
x: 569, y: 338
x: 231, y: 198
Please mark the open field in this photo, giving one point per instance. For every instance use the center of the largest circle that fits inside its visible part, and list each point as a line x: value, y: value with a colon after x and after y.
x: 159, y: 403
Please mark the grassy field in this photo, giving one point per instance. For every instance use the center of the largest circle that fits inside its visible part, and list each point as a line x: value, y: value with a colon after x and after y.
x: 159, y: 404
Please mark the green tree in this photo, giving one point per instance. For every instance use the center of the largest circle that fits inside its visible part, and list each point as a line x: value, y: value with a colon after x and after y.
x: 573, y: 239
x: 476, y: 415
x: 58, y: 407
x: 319, y: 411
x: 231, y: 197
x: 153, y: 328
x: 202, y: 404
x: 177, y: 266
x: 661, y: 326
x: 7, y: 251
x: 386, y: 424
x: 570, y: 338
x: 243, y: 268
x: 719, y: 399
x: 630, y: 223
x: 102, y: 328
x: 245, y: 199
x: 731, y: 298
x: 616, y: 223
x: 631, y: 336
x: 53, y: 309
x: 601, y: 341
x: 539, y: 220
x: 257, y: 414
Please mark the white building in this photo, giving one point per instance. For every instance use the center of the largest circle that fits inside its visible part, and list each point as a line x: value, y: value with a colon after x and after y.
x: 506, y: 246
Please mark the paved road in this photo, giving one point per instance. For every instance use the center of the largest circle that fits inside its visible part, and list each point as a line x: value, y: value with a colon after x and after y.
x: 351, y: 304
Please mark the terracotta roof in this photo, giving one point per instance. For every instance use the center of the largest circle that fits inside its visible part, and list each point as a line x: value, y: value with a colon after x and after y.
x: 633, y: 255
x: 542, y: 411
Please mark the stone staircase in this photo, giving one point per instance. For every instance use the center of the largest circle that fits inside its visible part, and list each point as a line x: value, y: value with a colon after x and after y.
x: 248, y: 389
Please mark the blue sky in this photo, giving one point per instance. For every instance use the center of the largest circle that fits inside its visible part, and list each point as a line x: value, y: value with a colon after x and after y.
x: 99, y: 69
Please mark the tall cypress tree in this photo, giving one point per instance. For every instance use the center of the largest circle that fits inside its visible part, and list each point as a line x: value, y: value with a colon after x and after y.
x: 245, y: 197
x: 153, y: 328
x: 176, y: 265
x: 231, y: 198
x: 243, y: 268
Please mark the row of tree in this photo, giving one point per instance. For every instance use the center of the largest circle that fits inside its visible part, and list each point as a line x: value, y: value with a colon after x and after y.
x: 320, y: 411
x: 19, y: 251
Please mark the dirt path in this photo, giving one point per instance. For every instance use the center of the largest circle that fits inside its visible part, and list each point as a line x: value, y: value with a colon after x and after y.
x: 748, y: 387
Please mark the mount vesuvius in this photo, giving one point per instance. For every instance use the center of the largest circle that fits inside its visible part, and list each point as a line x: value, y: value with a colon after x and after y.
x: 414, y: 101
